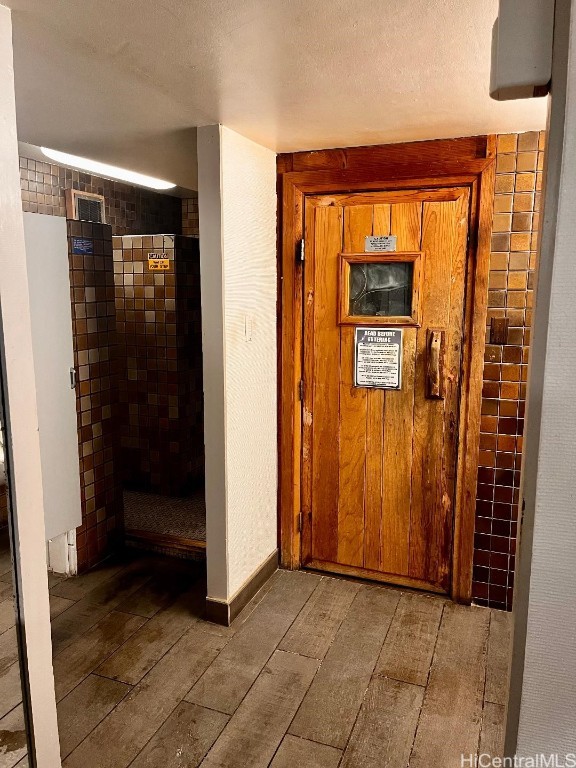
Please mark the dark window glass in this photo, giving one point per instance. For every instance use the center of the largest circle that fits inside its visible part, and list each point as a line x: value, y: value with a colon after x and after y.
x: 381, y: 289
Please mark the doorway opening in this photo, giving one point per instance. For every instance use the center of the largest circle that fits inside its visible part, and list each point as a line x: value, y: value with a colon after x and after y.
x: 124, y: 303
x: 139, y: 391
x: 383, y: 373
x: 161, y: 453
x: 378, y: 476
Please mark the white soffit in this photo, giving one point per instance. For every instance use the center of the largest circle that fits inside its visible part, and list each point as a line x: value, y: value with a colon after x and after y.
x: 126, y: 82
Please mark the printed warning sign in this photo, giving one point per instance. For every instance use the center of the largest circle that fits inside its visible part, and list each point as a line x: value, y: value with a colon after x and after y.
x: 83, y: 246
x: 159, y: 262
x: 378, y: 357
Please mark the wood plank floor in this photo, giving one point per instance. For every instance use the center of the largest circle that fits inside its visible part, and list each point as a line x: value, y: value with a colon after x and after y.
x: 316, y: 671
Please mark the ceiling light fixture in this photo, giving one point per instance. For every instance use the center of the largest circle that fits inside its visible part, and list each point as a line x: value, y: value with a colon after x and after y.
x: 107, y: 171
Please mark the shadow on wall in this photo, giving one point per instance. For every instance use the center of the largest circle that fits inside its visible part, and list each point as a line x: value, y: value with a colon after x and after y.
x: 158, y: 320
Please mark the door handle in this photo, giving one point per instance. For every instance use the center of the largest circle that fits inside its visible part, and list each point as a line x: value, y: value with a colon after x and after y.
x: 434, y: 373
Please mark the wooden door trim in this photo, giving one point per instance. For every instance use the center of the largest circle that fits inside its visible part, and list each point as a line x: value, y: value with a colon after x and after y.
x: 467, y: 162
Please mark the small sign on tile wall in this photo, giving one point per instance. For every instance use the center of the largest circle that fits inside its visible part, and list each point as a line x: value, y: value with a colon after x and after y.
x: 379, y: 243
x: 159, y: 262
x: 82, y: 246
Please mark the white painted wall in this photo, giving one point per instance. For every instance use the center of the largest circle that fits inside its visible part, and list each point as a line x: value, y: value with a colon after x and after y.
x: 249, y: 247
x: 212, y: 292
x: 237, y: 203
x: 542, y: 708
x: 23, y: 448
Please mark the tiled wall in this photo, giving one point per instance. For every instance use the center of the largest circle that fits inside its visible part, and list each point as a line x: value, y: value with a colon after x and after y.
x: 190, y: 221
x: 519, y: 166
x: 96, y: 362
x: 159, y: 329
x: 128, y: 209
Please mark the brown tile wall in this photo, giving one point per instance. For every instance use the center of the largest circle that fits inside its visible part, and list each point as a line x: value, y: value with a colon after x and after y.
x: 190, y: 221
x: 519, y: 164
x: 159, y: 328
x: 128, y: 209
x: 97, y: 366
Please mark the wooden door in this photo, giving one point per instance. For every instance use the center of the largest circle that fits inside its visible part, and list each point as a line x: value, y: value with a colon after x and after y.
x: 379, y: 465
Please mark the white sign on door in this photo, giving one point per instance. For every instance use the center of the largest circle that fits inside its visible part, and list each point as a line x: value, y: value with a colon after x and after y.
x: 378, y: 357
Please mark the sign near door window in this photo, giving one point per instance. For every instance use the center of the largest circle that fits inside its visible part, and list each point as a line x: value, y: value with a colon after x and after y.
x: 380, y: 243
x: 378, y: 357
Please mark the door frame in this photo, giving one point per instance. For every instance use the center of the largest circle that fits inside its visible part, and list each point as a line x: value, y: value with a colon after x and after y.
x: 467, y: 162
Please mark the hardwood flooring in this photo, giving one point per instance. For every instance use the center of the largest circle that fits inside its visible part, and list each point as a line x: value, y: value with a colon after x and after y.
x: 316, y: 671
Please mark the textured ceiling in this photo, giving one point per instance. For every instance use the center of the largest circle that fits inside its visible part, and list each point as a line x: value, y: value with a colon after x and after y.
x: 127, y: 81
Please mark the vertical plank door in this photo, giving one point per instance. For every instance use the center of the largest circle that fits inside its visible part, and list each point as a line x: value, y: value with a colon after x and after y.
x: 379, y: 464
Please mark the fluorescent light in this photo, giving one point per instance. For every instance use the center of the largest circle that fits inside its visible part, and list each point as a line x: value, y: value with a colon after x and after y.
x: 107, y: 171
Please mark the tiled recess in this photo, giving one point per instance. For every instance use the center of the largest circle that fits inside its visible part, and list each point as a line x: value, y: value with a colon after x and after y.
x: 128, y: 209
x: 190, y: 221
x: 159, y: 329
x: 97, y: 366
x: 519, y: 165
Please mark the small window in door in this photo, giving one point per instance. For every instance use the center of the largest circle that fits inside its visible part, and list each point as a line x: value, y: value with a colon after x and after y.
x: 379, y: 288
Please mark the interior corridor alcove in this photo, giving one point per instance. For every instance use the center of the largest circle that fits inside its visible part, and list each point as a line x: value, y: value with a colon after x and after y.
x: 161, y: 455
x: 136, y: 350
x: 138, y: 355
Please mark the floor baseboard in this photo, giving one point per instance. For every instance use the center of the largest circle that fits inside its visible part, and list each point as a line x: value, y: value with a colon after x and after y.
x: 224, y: 613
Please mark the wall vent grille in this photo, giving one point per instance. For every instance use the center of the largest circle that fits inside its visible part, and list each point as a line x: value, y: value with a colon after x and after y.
x: 85, y: 206
x: 89, y: 209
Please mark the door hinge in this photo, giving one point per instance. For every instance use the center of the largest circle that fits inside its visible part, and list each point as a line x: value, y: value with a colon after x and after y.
x: 301, y: 251
x: 299, y: 522
x: 301, y: 389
